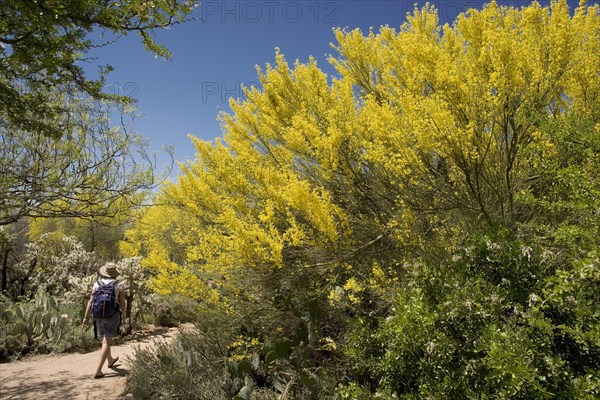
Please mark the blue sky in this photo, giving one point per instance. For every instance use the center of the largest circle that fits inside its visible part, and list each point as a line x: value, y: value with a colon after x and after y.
x: 219, y: 50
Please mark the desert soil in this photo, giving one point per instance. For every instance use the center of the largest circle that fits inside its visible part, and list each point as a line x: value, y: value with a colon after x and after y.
x: 70, y: 376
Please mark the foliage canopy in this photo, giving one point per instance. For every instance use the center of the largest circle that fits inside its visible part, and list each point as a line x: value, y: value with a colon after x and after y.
x: 42, y: 44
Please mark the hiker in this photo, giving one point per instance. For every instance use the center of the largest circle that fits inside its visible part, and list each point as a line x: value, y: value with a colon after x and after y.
x: 105, y: 303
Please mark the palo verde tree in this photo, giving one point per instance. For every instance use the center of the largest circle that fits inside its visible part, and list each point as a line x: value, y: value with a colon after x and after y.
x: 99, y: 235
x: 93, y: 170
x: 391, y: 229
x: 59, y: 154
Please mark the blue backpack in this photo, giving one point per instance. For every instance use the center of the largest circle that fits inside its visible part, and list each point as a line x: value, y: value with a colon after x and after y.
x: 104, y: 302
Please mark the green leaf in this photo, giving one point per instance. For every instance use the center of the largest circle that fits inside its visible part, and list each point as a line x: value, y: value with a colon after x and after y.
x: 279, y: 383
x: 309, y: 382
x: 255, y: 361
x: 244, y: 368
x: 300, y: 335
x: 282, y: 346
x: 245, y: 392
x: 270, y: 357
x: 20, y: 328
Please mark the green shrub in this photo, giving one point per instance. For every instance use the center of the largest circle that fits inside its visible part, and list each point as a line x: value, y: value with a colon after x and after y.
x: 163, y: 314
x: 496, y: 323
x: 172, y: 310
x: 190, y: 367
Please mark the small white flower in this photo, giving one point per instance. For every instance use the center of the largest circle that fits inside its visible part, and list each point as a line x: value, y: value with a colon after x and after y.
x: 533, y: 298
x: 492, y: 246
x: 526, y: 252
x: 430, y: 347
x: 546, y: 255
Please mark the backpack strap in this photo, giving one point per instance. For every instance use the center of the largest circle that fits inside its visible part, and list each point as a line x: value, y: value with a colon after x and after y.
x: 114, y: 283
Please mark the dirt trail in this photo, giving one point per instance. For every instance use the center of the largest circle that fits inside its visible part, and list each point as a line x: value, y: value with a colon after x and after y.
x: 70, y: 376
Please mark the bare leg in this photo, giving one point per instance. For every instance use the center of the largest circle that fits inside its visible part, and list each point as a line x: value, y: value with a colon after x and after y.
x: 109, y: 357
x: 104, y: 354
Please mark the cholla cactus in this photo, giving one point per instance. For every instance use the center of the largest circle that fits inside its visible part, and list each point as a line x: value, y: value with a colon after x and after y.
x: 5, y: 235
x: 51, y: 262
x: 80, y: 289
x: 135, y: 281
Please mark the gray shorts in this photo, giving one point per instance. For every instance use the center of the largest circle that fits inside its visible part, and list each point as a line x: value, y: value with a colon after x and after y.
x: 107, y: 327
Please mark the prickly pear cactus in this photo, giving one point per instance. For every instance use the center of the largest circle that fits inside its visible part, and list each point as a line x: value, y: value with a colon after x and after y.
x: 37, y: 324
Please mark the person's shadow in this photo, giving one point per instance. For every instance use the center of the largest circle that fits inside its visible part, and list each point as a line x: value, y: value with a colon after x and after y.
x: 118, y: 370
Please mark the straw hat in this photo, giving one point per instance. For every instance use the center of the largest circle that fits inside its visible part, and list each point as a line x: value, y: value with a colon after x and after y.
x: 109, y: 270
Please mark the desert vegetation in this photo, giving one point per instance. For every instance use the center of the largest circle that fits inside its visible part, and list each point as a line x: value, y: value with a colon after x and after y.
x: 423, y: 223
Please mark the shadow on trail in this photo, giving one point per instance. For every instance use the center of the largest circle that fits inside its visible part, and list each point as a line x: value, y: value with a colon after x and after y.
x: 62, y: 385
x: 116, y: 371
x: 70, y: 376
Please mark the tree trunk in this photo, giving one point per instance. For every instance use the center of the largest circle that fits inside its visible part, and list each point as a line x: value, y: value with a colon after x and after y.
x: 5, y: 270
x: 128, y: 306
x: 24, y: 280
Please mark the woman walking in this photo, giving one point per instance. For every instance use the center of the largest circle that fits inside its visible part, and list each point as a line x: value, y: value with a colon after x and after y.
x: 107, y: 316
